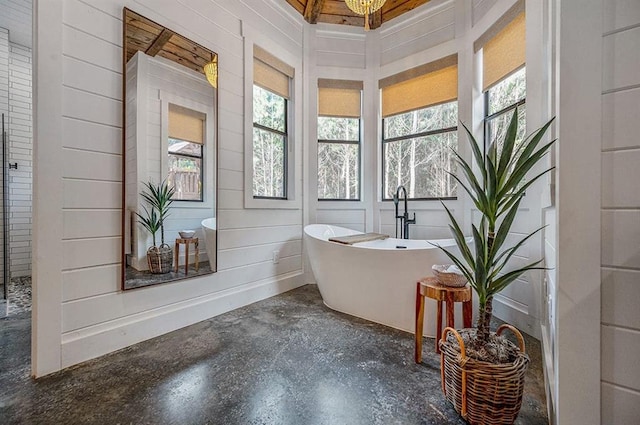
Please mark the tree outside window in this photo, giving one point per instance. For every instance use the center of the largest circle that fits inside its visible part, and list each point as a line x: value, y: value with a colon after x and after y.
x: 269, y: 144
x: 500, y: 101
x: 418, y: 151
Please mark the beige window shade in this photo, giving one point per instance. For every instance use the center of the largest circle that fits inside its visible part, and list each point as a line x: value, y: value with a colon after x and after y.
x: 439, y: 85
x: 505, y: 52
x: 186, y: 124
x: 339, y: 98
x: 271, y: 73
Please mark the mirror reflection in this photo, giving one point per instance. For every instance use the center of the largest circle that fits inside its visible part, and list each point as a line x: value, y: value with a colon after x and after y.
x: 169, y: 214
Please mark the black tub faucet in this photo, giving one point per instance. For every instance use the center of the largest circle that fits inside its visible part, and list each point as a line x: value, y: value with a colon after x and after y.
x: 403, y: 219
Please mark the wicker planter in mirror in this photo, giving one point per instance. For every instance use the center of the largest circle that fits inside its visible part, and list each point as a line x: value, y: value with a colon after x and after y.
x: 160, y: 259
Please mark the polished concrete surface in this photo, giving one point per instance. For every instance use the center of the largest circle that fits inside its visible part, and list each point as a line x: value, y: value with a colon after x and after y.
x: 285, y: 360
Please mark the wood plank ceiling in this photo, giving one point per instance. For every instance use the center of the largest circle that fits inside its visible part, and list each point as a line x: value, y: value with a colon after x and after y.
x: 155, y: 40
x: 337, y: 12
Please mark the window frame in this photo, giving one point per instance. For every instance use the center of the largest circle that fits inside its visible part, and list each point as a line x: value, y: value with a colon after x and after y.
x: 344, y: 142
x: 210, y: 157
x: 242, y: 180
x: 285, y: 136
x: 202, y: 165
x: 487, y: 118
x: 409, y: 137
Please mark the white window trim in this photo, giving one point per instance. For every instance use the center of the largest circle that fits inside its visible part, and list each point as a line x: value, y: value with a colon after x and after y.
x: 294, y: 124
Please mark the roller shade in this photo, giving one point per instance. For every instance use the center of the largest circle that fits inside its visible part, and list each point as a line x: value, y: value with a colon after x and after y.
x: 427, y: 85
x: 186, y: 124
x: 503, y: 46
x: 271, y: 73
x: 339, y: 98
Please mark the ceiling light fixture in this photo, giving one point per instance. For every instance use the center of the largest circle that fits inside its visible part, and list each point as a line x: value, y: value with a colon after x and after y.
x: 365, y: 7
x: 211, y: 71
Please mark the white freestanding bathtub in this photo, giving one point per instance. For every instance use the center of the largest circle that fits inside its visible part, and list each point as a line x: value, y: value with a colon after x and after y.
x: 209, y: 230
x: 375, y: 280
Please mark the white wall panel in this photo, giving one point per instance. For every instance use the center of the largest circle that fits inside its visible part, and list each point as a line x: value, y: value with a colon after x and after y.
x: 620, y: 295
x: 620, y: 123
x: 238, y: 238
x: 621, y: 60
x: 619, y: 356
x: 91, y: 223
x: 79, y: 253
x: 105, y: 138
x: 92, y: 165
x: 620, y: 14
x: 90, y: 282
x: 92, y: 194
x: 620, y: 187
x: 620, y: 236
x: 619, y: 405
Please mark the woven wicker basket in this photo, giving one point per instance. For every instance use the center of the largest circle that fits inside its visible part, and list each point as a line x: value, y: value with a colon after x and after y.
x: 453, y: 280
x: 483, y: 393
x: 160, y: 259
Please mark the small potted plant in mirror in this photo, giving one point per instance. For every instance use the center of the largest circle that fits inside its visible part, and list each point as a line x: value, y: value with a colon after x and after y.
x: 482, y: 372
x: 159, y: 199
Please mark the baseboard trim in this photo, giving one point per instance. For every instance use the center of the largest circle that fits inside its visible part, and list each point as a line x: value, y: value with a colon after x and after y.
x: 89, y: 343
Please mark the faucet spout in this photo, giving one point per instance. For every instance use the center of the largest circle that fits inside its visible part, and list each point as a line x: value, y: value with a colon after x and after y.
x: 404, y: 219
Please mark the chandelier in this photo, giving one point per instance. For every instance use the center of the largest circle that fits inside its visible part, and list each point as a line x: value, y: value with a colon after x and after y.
x: 211, y: 71
x: 364, y: 7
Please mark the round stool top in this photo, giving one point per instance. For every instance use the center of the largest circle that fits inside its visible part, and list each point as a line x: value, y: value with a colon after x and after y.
x: 432, y: 288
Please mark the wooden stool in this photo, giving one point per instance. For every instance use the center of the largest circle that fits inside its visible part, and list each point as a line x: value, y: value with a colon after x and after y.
x: 430, y: 287
x: 186, y: 242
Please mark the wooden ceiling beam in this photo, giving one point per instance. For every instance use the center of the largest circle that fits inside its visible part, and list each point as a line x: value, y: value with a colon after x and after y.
x: 159, y: 42
x: 375, y: 19
x: 312, y: 10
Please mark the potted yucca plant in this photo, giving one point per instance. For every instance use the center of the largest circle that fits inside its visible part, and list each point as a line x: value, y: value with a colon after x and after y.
x: 482, y: 372
x: 159, y: 198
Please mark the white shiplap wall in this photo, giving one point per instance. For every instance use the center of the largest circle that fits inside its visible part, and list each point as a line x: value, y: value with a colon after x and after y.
x: 82, y: 145
x: 620, y: 212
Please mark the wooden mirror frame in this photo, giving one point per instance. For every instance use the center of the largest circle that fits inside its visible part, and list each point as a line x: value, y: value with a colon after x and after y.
x: 194, y: 61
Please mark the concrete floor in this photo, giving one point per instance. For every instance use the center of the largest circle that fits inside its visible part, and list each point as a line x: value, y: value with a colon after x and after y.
x: 284, y: 360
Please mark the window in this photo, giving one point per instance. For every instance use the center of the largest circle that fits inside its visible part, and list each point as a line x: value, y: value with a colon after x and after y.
x: 500, y: 101
x: 269, y: 144
x: 185, y: 153
x: 420, y: 118
x: 339, y: 110
x: 504, y: 76
x: 272, y: 79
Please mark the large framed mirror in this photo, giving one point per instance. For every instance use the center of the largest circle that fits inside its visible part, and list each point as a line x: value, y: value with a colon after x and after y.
x: 169, y: 155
